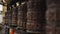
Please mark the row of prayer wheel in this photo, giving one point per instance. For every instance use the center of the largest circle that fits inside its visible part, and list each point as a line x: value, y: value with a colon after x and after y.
x: 36, y: 16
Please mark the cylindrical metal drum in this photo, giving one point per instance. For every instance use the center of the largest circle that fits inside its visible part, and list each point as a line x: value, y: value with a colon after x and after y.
x: 35, y: 16
x: 58, y: 20
x: 14, y: 16
x: 33, y: 23
x: 51, y: 22
x: 10, y: 16
x: 53, y: 7
x: 22, y: 11
x: 58, y: 17
x: 6, y: 18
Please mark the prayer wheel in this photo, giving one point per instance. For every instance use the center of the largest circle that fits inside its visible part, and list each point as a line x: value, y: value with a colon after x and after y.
x: 52, y: 17
x: 10, y: 16
x: 36, y: 16
x: 22, y: 11
x: 6, y: 18
x: 14, y: 16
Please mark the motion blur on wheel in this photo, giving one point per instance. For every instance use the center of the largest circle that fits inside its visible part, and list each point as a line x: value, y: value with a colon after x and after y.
x: 29, y: 16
